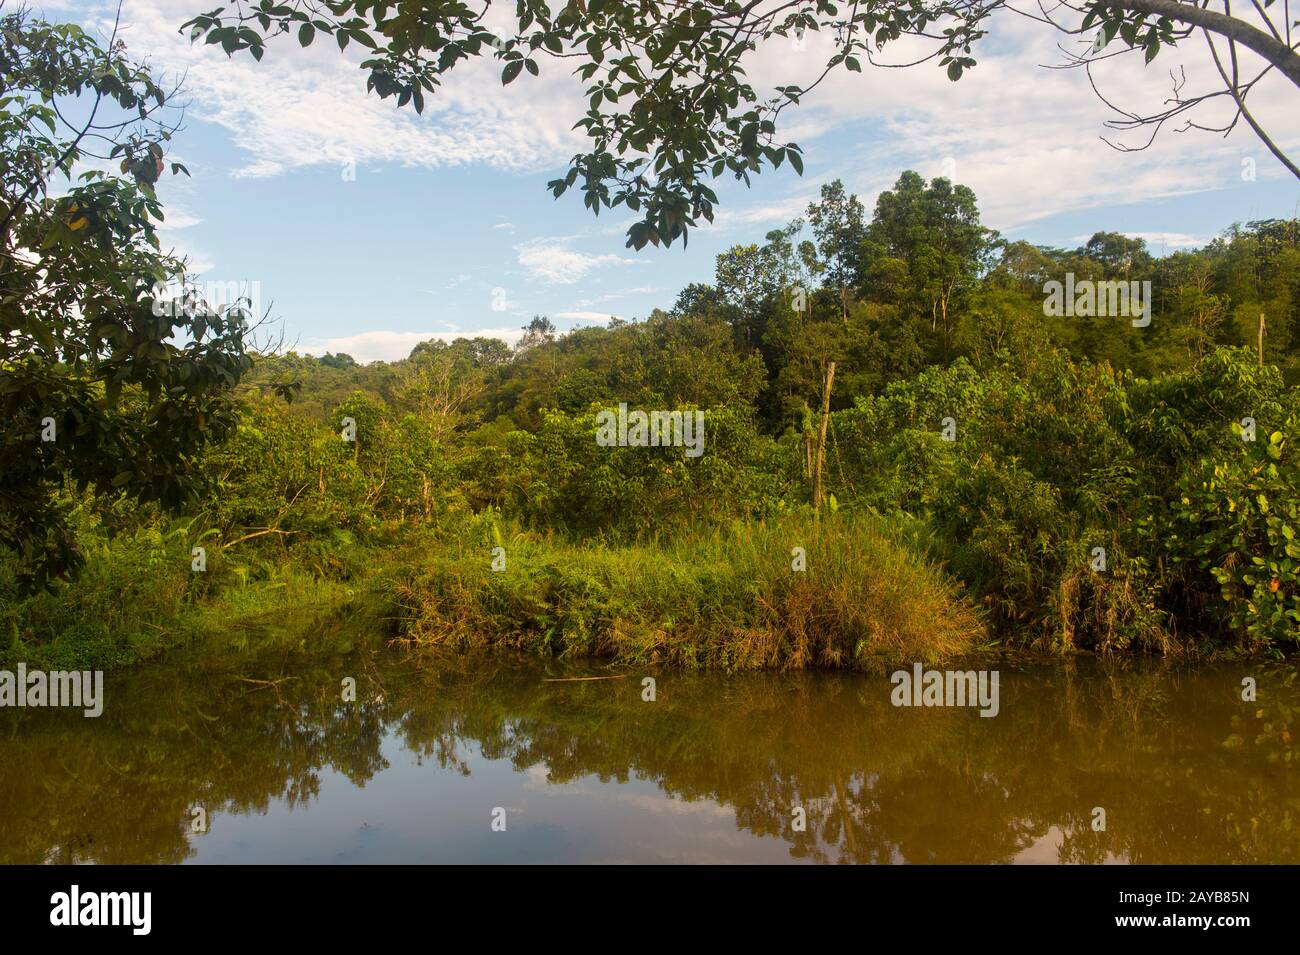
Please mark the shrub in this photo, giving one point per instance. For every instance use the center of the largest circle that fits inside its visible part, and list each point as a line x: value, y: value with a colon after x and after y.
x: 1238, y: 519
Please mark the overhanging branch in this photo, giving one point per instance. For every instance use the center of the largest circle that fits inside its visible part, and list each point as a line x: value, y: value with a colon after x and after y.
x: 1276, y: 52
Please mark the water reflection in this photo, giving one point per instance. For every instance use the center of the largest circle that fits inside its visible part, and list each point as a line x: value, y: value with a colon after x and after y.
x: 711, y: 771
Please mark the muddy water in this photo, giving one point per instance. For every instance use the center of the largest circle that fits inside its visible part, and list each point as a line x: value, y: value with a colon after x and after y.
x: 200, y: 762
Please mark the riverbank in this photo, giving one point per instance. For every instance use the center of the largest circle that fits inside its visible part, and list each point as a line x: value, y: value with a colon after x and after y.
x: 139, y: 598
x: 842, y: 592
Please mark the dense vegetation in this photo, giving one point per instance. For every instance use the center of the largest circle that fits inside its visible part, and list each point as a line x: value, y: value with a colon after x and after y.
x: 906, y: 455
x: 991, y: 474
x: 101, y: 383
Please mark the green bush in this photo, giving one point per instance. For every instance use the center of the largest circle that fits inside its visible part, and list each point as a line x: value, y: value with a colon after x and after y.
x: 1086, y: 508
x: 1237, y: 520
x: 560, y: 478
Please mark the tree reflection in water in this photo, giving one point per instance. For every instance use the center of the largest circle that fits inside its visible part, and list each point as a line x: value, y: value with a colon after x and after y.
x: 1186, y: 771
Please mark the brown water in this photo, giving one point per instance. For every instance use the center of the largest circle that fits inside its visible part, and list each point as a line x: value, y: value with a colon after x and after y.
x: 711, y: 771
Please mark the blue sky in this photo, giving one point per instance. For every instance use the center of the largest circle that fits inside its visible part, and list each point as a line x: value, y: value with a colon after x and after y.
x: 368, y: 229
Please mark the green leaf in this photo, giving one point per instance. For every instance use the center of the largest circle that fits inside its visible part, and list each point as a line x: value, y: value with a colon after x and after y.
x: 511, y: 71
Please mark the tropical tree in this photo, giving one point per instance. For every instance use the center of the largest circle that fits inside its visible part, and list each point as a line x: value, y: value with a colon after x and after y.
x: 103, y: 381
x: 440, y: 381
x: 537, y: 332
x: 838, y: 222
x: 925, y: 247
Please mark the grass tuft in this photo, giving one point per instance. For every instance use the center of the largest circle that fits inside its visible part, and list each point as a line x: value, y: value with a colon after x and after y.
x: 728, y: 598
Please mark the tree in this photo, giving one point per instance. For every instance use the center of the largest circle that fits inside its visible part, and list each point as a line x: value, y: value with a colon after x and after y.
x: 540, y: 330
x: 697, y: 298
x: 439, y: 381
x: 1121, y: 255
x: 670, y: 105
x: 837, y: 222
x: 341, y: 360
x: 753, y: 282
x: 1196, y: 310
x: 104, y: 381
x: 925, y: 247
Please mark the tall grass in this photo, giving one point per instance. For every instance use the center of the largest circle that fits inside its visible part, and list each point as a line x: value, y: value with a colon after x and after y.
x: 138, y: 597
x: 728, y: 597
x: 723, y: 597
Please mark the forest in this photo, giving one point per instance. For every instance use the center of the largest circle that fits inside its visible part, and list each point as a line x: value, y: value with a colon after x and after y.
x: 986, y: 476
x: 880, y: 536
x: 913, y: 438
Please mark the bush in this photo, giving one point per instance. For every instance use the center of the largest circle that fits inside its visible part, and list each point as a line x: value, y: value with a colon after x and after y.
x: 561, y: 479
x: 1090, y: 509
x: 1238, y: 519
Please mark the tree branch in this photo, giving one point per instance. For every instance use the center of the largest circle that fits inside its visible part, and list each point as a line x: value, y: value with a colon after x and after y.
x: 1252, y: 38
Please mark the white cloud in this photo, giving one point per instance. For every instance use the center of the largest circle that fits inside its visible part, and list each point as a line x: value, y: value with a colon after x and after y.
x: 745, y: 217
x: 393, y: 345
x: 178, y: 217
x: 615, y: 296
x: 309, y: 107
x: 586, y: 316
x: 197, y: 261
x: 172, y: 236
x: 550, y: 260
x: 1157, y: 241
x: 1025, y: 138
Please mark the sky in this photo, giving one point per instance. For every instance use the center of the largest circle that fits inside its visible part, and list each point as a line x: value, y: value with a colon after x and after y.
x: 366, y: 229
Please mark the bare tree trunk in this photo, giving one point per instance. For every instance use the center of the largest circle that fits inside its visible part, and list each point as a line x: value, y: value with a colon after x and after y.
x: 1261, y: 339
x: 821, y: 437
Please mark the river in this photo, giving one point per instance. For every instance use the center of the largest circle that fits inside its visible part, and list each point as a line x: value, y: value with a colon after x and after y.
x: 505, y: 759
